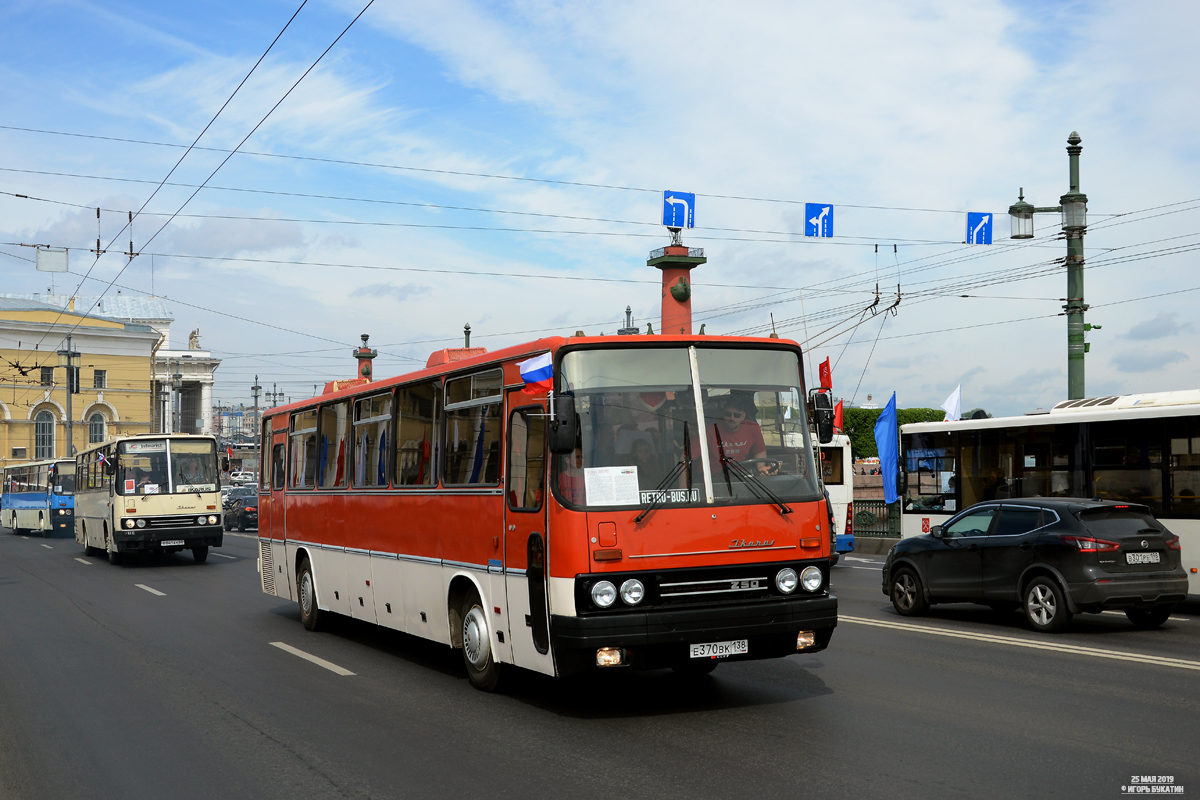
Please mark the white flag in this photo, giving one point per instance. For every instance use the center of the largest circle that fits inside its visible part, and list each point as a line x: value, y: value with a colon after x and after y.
x: 953, y: 405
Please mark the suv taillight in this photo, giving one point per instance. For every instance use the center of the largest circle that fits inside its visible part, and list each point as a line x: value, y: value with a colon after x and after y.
x: 1173, y: 543
x: 1089, y: 544
x: 850, y: 518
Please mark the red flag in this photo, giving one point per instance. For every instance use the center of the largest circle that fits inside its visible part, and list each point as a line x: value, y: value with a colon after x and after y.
x: 826, y: 375
x: 229, y: 450
x: 837, y: 417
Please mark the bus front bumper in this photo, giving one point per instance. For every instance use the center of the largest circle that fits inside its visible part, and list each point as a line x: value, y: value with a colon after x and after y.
x: 658, y: 638
x: 158, y: 540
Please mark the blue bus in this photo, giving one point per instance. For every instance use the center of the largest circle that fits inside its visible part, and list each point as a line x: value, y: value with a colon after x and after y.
x: 39, y: 496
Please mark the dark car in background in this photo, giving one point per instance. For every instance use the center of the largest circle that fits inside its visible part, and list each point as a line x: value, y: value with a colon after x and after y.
x: 242, y: 513
x: 1051, y: 557
x: 236, y: 493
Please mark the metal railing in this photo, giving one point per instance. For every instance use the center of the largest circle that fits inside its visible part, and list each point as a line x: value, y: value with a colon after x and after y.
x: 871, y: 519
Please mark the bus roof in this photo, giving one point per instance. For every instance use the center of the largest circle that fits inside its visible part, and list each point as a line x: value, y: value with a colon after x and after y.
x: 1096, y: 409
x: 521, y: 351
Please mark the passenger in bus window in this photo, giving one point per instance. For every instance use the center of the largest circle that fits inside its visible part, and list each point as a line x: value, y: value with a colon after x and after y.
x: 996, y: 486
x: 570, y: 479
x: 738, y: 435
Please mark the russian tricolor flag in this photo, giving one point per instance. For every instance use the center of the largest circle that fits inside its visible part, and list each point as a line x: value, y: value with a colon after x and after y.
x: 538, y: 373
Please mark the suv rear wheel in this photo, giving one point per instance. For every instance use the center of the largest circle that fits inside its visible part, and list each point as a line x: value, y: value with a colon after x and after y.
x: 1045, y: 606
x: 1149, y: 619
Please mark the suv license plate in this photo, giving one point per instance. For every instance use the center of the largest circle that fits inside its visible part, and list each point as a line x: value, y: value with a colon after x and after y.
x: 171, y: 543
x: 1141, y: 558
x: 738, y: 647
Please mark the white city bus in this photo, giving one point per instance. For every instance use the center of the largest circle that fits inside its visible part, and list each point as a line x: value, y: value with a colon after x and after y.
x: 837, y: 472
x: 1144, y: 448
x: 148, y: 493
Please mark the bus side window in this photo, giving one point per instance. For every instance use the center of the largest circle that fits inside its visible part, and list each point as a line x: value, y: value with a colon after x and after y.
x: 302, y: 471
x: 416, y: 434
x: 473, y: 420
x: 278, y: 462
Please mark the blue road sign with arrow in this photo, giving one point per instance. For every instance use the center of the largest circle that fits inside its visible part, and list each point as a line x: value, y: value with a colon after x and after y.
x: 979, y: 228
x: 818, y: 220
x: 679, y: 209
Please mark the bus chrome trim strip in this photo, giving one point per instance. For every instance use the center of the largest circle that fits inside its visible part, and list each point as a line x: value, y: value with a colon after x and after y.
x: 358, y: 551
x: 465, y: 565
x: 710, y: 552
x: 520, y: 573
x: 419, y: 559
x: 715, y: 591
x: 711, y: 580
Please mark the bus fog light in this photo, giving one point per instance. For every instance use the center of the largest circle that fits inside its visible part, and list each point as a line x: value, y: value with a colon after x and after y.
x: 632, y: 591
x: 786, y: 580
x: 603, y: 594
x: 609, y: 657
x: 129, y: 523
x: 212, y: 520
x: 141, y: 523
x: 811, y: 579
x: 805, y: 639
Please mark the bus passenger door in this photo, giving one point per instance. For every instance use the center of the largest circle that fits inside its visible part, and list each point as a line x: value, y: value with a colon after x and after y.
x: 525, y: 534
x: 271, y: 530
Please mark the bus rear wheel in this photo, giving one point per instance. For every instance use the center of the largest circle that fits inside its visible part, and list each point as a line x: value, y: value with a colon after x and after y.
x: 310, y: 614
x: 200, y: 553
x: 482, y: 669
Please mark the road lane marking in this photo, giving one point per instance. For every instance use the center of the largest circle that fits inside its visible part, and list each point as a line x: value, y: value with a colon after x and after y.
x: 1013, y: 641
x: 81, y: 561
x: 26, y: 538
x: 864, y: 560
x: 48, y: 547
x: 873, y: 569
x: 222, y: 555
x: 151, y: 591
x: 320, y: 662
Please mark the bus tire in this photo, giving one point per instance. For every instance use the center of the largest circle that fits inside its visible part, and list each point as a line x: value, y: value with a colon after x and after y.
x: 482, y: 669
x: 908, y: 596
x: 306, y: 593
x: 834, y: 559
x: 114, y: 557
x: 200, y: 553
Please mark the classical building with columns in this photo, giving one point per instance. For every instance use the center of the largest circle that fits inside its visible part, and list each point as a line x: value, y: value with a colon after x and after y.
x: 180, y: 383
x: 40, y: 417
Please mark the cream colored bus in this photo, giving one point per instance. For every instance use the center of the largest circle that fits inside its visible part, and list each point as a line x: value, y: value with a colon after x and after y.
x: 152, y: 493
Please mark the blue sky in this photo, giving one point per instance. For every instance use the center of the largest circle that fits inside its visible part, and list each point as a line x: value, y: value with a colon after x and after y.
x: 946, y: 107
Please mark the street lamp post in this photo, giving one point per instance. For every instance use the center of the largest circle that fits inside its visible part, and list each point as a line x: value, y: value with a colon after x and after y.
x: 1073, y: 207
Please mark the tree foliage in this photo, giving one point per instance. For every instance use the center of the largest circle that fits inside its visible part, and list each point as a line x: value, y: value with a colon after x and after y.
x: 860, y: 425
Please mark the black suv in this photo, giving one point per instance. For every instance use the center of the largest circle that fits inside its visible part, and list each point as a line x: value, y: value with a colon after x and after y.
x: 1052, y: 557
x: 242, y: 513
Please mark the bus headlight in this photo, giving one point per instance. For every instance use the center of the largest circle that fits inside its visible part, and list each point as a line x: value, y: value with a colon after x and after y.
x: 811, y: 579
x: 129, y: 523
x: 141, y: 523
x: 62, y: 511
x: 603, y: 594
x: 632, y: 591
x: 786, y: 580
x: 201, y: 520
x: 212, y: 520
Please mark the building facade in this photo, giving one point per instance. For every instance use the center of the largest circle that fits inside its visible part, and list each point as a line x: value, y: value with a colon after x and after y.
x: 40, y: 416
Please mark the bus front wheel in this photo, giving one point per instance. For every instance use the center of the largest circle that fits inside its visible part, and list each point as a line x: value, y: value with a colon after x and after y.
x: 482, y: 669
x: 310, y: 614
x: 200, y: 553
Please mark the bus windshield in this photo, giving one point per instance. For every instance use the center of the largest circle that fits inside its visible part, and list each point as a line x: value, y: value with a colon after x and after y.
x: 640, y: 428
x: 161, y: 466
x: 63, y: 479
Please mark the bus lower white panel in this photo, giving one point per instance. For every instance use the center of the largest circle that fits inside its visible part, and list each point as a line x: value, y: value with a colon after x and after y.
x: 389, y: 593
x: 424, y: 593
x: 562, y: 596
x: 1188, y: 531
x: 359, y: 590
x: 501, y: 651
x: 329, y: 571
x: 524, y: 653
x: 916, y: 523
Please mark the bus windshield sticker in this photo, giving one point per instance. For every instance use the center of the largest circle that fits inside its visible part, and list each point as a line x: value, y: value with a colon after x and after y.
x: 146, y: 447
x: 129, y: 486
x: 195, y: 487
x: 611, y: 486
x: 150, y: 488
x: 671, y: 496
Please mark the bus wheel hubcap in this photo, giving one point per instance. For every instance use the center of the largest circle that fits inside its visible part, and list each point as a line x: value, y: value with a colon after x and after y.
x: 306, y: 593
x: 475, y: 638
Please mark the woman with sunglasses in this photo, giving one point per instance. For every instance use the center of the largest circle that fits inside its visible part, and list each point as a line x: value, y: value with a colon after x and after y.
x: 737, y: 436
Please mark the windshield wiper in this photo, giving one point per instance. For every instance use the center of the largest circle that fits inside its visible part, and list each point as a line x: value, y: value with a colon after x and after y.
x: 659, y: 494
x: 753, y: 482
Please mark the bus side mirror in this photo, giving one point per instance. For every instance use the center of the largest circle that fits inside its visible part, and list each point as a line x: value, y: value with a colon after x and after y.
x: 822, y: 406
x: 562, y: 427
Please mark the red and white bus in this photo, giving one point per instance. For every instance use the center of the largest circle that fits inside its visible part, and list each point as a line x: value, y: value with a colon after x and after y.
x: 589, y: 528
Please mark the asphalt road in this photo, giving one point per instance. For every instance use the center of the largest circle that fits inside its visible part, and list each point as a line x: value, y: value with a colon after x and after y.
x: 109, y: 690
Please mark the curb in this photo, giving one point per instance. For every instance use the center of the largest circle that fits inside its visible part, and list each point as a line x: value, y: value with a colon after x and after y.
x: 873, y: 546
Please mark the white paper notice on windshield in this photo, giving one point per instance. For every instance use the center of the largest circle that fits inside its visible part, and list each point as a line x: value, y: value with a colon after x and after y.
x: 611, y: 486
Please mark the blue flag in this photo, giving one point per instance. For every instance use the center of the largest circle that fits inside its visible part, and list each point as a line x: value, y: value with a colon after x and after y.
x: 887, y: 442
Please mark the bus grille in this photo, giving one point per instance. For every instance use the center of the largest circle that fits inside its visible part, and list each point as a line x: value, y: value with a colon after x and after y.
x: 268, y: 566
x: 716, y: 585
x: 172, y: 522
